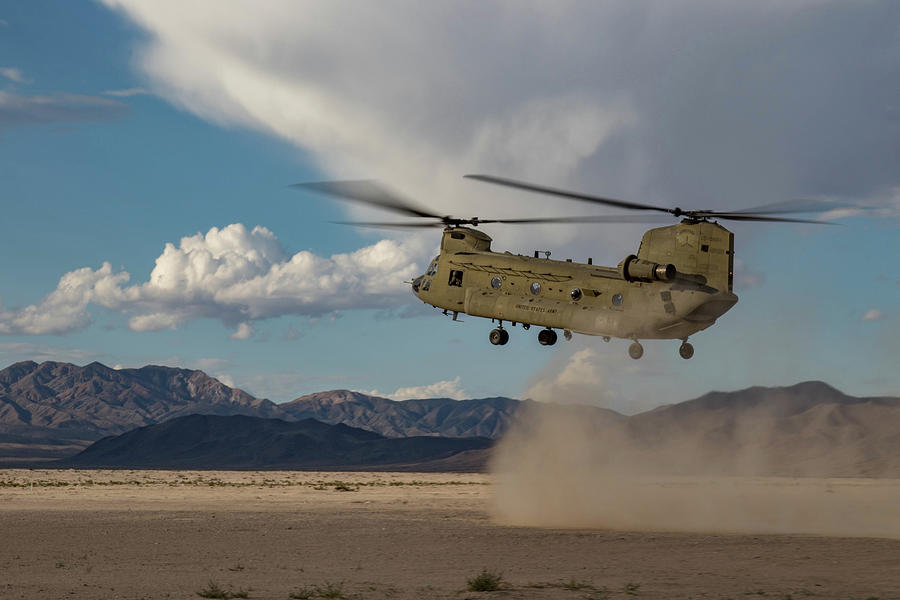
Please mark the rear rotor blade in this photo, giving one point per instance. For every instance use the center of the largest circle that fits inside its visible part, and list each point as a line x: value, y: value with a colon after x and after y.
x: 369, y: 192
x: 800, y: 205
x: 749, y: 217
x: 540, y: 189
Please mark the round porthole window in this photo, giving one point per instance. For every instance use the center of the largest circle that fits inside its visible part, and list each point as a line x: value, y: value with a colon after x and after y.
x: 617, y: 299
x: 535, y: 288
x: 575, y: 294
x: 496, y: 282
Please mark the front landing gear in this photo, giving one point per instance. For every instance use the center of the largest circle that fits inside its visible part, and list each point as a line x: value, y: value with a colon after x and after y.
x: 499, y: 337
x: 686, y: 350
x: 635, y: 350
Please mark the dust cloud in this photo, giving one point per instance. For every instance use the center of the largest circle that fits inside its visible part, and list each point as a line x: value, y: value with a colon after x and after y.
x: 567, y: 467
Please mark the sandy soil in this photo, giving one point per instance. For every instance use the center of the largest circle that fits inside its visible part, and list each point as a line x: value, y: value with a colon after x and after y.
x: 156, y: 534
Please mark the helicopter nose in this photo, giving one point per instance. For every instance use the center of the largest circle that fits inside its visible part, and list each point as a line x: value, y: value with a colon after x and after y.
x: 416, y: 283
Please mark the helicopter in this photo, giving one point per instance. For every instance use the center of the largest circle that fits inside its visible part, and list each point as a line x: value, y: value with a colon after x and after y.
x: 679, y: 282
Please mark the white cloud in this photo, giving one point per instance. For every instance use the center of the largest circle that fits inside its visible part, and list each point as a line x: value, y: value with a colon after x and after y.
x: 873, y: 314
x: 233, y: 274
x: 65, y: 309
x: 441, y: 389
x: 581, y: 380
x: 244, y: 332
x: 705, y: 106
x: 13, y: 74
x: 127, y: 92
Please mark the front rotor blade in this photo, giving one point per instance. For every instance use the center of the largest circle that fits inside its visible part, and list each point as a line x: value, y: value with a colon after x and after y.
x: 369, y: 192
x: 588, y: 219
x: 390, y: 225
x: 539, y: 189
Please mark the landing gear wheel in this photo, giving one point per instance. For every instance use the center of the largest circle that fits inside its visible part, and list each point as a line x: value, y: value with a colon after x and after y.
x: 567, y: 334
x: 686, y: 350
x: 499, y: 337
x: 547, y: 337
x: 635, y: 350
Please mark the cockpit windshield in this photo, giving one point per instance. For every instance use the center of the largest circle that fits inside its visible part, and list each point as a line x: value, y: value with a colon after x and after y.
x: 432, y: 268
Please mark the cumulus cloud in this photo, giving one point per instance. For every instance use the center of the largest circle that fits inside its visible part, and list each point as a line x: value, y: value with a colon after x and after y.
x: 234, y: 274
x: 581, y: 380
x: 17, y: 109
x: 64, y: 310
x: 873, y: 314
x: 441, y: 389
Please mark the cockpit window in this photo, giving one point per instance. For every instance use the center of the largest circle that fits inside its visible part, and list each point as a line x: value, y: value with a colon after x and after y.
x: 433, y: 267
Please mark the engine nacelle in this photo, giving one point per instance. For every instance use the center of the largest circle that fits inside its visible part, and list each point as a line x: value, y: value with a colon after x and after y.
x: 633, y: 268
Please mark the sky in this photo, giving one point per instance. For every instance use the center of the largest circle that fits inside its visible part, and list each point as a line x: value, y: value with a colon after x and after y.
x: 146, y: 149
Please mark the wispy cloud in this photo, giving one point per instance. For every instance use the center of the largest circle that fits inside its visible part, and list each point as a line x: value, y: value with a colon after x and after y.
x: 127, y: 93
x: 17, y: 109
x: 13, y: 74
x: 745, y: 277
x: 873, y: 314
x: 18, y: 351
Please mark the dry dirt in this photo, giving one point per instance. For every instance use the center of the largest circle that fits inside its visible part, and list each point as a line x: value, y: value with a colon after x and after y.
x: 159, y: 534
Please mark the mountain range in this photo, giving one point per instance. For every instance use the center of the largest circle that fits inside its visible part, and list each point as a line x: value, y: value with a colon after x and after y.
x: 54, y: 410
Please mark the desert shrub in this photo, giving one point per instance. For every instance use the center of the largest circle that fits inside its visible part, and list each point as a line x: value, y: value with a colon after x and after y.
x: 214, y: 590
x: 486, y: 581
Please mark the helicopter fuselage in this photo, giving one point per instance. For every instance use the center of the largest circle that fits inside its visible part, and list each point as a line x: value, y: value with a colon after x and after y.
x: 679, y: 283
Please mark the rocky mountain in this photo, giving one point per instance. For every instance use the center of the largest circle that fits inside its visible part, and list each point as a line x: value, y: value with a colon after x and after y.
x: 52, y: 408
x: 241, y: 442
x: 486, y: 417
x: 808, y: 429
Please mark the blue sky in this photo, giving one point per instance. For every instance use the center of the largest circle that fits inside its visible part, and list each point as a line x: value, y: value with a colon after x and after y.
x: 127, y: 126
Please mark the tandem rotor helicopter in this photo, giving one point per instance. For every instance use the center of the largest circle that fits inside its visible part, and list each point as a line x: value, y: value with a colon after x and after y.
x: 679, y: 282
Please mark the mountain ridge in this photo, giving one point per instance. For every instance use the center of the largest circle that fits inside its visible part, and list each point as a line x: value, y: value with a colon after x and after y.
x: 51, y: 410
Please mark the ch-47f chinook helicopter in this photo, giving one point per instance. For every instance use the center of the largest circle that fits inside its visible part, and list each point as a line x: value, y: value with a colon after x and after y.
x: 679, y: 282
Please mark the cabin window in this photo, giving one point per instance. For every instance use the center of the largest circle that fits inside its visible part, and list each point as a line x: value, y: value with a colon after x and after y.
x: 575, y: 294
x: 535, y: 288
x: 458, y: 236
x: 426, y: 286
x: 617, y: 299
x: 456, y: 278
x: 496, y: 282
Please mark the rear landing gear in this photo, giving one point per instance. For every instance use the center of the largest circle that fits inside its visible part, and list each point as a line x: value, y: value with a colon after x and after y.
x: 686, y: 350
x: 547, y: 337
x: 499, y: 337
x: 635, y: 350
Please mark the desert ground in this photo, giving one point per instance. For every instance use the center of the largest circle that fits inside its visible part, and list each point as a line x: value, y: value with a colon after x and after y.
x: 175, y: 534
